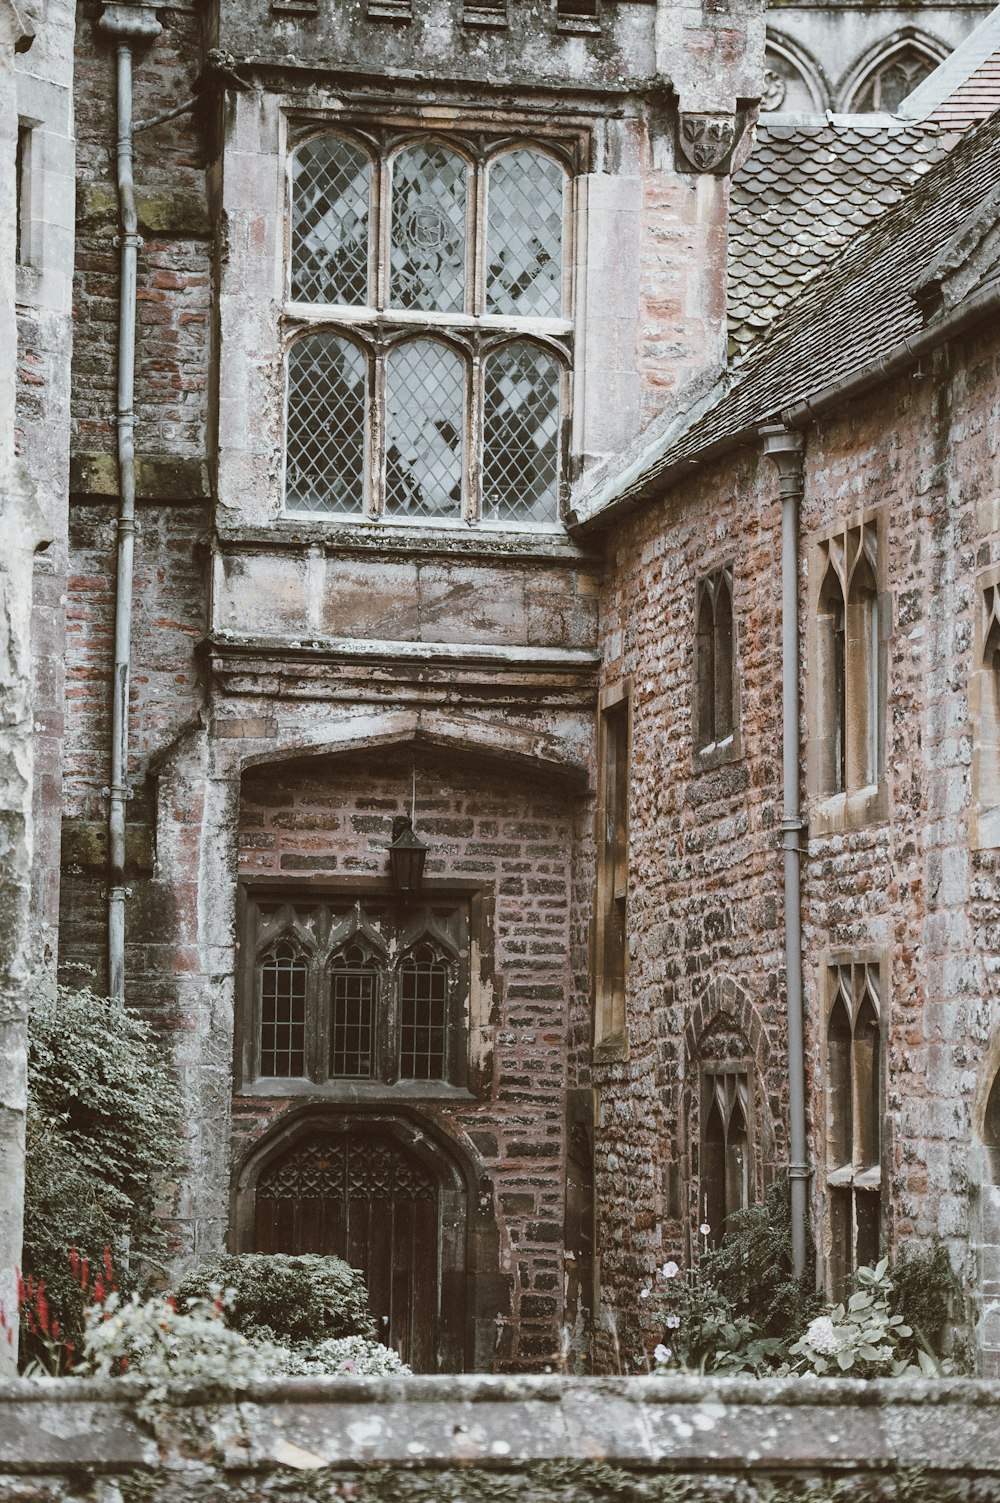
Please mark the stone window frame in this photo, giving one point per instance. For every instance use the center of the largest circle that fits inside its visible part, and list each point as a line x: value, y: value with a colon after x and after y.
x: 469, y: 1065
x: 709, y: 749
x: 741, y: 1066
x: 984, y: 712
x: 845, y: 550
x: 854, y: 1137
x: 379, y: 328
x: 610, y: 927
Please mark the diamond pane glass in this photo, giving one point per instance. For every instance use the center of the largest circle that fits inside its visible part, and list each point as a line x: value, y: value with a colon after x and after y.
x: 427, y: 259
x: 325, y: 447
x: 521, y: 435
x: 331, y: 186
x: 424, y: 418
x: 524, y: 235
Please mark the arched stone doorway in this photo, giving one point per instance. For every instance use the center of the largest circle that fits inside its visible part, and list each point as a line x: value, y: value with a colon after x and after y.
x: 379, y: 1193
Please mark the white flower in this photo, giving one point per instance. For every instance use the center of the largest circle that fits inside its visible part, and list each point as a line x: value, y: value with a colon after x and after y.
x: 672, y: 1322
x: 670, y: 1270
x: 704, y: 1229
x: 661, y: 1354
x: 822, y: 1336
x: 644, y: 1293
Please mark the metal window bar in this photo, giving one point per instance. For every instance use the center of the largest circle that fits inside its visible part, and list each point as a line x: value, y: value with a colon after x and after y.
x: 353, y: 996
x: 283, y: 977
x: 423, y: 1017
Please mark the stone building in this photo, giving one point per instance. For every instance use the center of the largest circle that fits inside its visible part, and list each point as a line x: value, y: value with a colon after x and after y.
x: 373, y: 304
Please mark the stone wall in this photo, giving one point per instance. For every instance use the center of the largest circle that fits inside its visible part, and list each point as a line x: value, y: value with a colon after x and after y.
x: 546, y: 1440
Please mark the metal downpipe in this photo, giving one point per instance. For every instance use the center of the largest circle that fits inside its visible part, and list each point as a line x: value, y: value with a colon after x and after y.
x: 127, y: 27
x: 785, y: 450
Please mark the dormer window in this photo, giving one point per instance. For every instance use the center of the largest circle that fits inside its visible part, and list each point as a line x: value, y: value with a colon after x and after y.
x: 429, y: 333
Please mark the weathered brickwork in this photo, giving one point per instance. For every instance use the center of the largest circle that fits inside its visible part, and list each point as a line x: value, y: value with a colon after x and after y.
x: 513, y: 839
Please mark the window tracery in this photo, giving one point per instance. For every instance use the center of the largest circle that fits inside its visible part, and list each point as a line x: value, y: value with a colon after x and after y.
x: 853, y: 1119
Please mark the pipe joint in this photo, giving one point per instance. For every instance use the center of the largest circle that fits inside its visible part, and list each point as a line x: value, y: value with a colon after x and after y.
x: 799, y: 1171
x: 129, y: 25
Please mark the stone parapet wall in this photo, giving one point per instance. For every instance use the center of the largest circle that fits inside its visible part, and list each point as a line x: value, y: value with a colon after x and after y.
x: 537, y: 1439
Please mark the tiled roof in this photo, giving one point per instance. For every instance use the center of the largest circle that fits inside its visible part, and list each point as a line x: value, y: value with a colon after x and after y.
x: 856, y: 313
x: 804, y: 191
x: 978, y: 97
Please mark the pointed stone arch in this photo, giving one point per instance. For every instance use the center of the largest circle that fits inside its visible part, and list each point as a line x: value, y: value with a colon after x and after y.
x: 908, y: 45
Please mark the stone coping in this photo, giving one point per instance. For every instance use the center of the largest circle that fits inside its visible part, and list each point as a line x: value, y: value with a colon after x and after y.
x: 675, y: 1425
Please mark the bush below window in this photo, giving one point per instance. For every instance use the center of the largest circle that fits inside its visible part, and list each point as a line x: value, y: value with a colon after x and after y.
x: 284, y: 1298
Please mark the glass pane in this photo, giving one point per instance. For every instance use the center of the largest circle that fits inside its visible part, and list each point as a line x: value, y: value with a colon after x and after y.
x: 839, y: 1118
x: 423, y: 1016
x: 424, y: 417
x: 429, y: 193
x: 331, y: 187
x: 352, y: 1023
x: 521, y: 436
x: 282, y: 1013
x: 524, y: 235
x: 325, y: 446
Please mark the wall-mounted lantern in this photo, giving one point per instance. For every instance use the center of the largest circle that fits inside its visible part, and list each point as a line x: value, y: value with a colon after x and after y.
x: 406, y: 855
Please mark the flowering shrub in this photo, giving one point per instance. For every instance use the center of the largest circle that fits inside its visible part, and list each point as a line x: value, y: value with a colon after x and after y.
x: 339, y: 1356
x: 702, y: 1329
x: 101, y: 1138
x: 861, y: 1337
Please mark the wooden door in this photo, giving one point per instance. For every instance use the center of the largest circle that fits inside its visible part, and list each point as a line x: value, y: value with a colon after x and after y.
x: 361, y: 1197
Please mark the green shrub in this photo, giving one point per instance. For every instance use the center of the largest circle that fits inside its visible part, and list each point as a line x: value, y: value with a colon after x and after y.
x: 752, y: 1268
x: 101, y: 1138
x: 926, y: 1291
x: 280, y: 1297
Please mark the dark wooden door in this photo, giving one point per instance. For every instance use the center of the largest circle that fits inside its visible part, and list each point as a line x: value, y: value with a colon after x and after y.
x: 363, y: 1198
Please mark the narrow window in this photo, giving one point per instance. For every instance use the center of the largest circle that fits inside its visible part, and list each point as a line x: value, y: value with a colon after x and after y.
x: 848, y: 664
x: 612, y: 873
x: 890, y: 83
x: 725, y: 1156
x: 714, y: 667
x: 353, y: 1006
x: 853, y: 1121
x: 22, y: 171
x: 423, y: 1015
x: 577, y: 10
x: 283, y: 976
x: 425, y: 420
x: 521, y: 435
x: 327, y: 401
x: 524, y: 235
x: 429, y: 209
x: 331, y: 190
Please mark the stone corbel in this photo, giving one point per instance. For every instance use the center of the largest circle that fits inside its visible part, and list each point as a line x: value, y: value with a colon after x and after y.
x: 707, y: 141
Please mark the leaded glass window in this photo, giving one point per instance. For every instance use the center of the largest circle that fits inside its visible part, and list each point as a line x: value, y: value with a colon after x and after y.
x: 429, y: 344
x: 353, y: 1005
x: 423, y: 1015
x: 283, y: 974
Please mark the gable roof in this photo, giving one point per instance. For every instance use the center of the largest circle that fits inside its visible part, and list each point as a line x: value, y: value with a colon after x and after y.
x: 870, y: 306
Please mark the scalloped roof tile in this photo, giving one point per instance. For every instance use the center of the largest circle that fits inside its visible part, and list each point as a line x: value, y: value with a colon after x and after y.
x: 804, y: 191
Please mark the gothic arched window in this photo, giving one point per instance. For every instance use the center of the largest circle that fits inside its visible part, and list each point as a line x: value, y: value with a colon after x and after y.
x: 853, y: 1119
x: 848, y: 663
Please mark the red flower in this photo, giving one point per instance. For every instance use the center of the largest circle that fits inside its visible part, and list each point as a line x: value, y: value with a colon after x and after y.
x: 42, y: 1306
x: 99, y: 1291
x: 108, y: 1268
x: 74, y: 1262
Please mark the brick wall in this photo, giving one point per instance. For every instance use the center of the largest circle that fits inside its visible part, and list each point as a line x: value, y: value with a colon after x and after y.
x: 514, y: 837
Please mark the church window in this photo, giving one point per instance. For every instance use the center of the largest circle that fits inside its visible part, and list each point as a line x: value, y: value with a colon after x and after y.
x: 429, y: 339
x: 345, y: 991
x: 893, y: 79
x: 853, y: 1119
x: 984, y: 710
x: 848, y: 662
x: 715, y: 680
x: 725, y: 1147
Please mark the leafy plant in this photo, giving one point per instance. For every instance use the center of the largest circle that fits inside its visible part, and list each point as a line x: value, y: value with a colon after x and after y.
x: 285, y: 1298
x: 101, y: 1138
x: 752, y: 1267
x: 861, y: 1337
x: 340, y: 1356
x: 926, y: 1291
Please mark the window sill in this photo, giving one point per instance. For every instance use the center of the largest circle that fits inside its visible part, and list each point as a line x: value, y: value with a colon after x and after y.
x: 351, y: 535
x: 716, y: 754
x: 358, y: 1090
x: 835, y: 813
x: 861, y: 1179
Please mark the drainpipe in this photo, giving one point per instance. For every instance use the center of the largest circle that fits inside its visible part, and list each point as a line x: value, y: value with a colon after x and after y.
x: 785, y: 448
x: 127, y: 27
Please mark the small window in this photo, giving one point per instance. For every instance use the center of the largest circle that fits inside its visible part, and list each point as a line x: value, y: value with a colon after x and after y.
x: 984, y: 708
x: 715, y: 680
x: 350, y: 993
x: 327, y: 402
x: 23, y: 191
x: 853, y: 1120
x: 725, y: 1148
x: 849, y: 664
x: 612, y: 874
